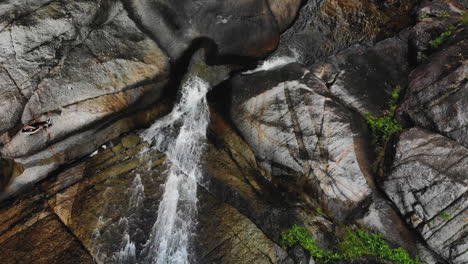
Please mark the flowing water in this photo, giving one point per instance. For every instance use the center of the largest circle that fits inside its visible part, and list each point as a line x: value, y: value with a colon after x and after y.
x: 181, y: 136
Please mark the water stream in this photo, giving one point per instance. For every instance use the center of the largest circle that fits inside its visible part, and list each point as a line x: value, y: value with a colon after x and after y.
x: 181, y: 136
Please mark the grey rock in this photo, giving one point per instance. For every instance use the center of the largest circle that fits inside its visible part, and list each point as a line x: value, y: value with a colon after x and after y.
x: 61, y: 61
x: 363, y: 77
x: 38, y: 165
x: 421, y: 35
x: 13, y: 9
x: 327, y: 26
x: 235, y: 28
x: 437, y: 95
x: 428, y: 183
x: 441, y: 8
x: 55, y: 56
x: 302, y: 136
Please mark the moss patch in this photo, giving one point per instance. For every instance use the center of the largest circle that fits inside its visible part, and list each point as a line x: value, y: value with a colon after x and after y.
x: 359, y: 243
x: 355, y: 244
x: 385, y: 126
x: 436, y: 43
x: 300, y: 235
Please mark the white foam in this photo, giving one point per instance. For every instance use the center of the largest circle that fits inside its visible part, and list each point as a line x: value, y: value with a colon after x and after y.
x: 272, y: 63
x: 181, y: 135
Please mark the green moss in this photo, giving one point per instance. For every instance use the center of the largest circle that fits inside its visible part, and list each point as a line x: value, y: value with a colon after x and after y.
x: 396, y: 94
x: 321, y: 212
x: 465, y: 17
x: 300, y: 235
x: 356, y: 244
x: 436, y: 43
x: 445, y: 215
x: 383, y: 127
x: 359, y: 243
x: 444, y: 14
x: 423, y: 16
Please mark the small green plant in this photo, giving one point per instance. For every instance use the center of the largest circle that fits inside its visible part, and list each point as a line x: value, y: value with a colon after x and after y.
x: 383, y: 127
x: 321, y: 212
x: 396, y: 94
x: 465, y: 17
x: 445, y: 216
x: 444, y: 14
x: 436, y: 43
x: 359, y: 243
x: 356, y: 244
x: 423, y: 16
x: 300, y: 235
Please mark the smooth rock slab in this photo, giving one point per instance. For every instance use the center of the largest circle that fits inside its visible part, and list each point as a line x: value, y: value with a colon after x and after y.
x: 302, y: 136
x: 428, y: 183
x: 239, y: 28
x: 60, y: 54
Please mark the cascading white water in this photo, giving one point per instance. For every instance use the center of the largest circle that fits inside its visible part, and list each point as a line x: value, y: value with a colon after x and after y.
x: 181, y: 135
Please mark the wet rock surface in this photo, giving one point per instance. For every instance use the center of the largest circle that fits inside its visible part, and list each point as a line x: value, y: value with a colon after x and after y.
x: 287, y: 142
x: 31, y: 233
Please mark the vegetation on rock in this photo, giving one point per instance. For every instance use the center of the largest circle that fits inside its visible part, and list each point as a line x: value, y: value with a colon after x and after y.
x: 359, y: 243
x: 445, y: 215
x: 299, y: 235
x: 384, y: 127
x: 356, y: 244
x: 436, y: 43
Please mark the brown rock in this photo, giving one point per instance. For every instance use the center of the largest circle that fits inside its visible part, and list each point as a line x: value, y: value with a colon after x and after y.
x: 46, y: 242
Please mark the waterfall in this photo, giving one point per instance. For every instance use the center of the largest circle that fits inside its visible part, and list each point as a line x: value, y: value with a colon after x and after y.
x: 181, y: 135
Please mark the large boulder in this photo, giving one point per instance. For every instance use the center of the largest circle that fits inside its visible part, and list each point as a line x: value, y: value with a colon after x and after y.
x: 303, y: 137
x: 58, y: 55
x: 91, y: 77
x: 324, y: 27
x: 428, y: 183
x: 437, y: 94
x: 363, y: 77
x: 235, y: 28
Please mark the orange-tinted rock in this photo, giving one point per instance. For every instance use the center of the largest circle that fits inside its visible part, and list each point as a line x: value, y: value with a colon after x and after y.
x: 45, y: 242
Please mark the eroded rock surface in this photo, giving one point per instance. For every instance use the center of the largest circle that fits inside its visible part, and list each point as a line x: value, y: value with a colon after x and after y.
x: 428, y: 183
